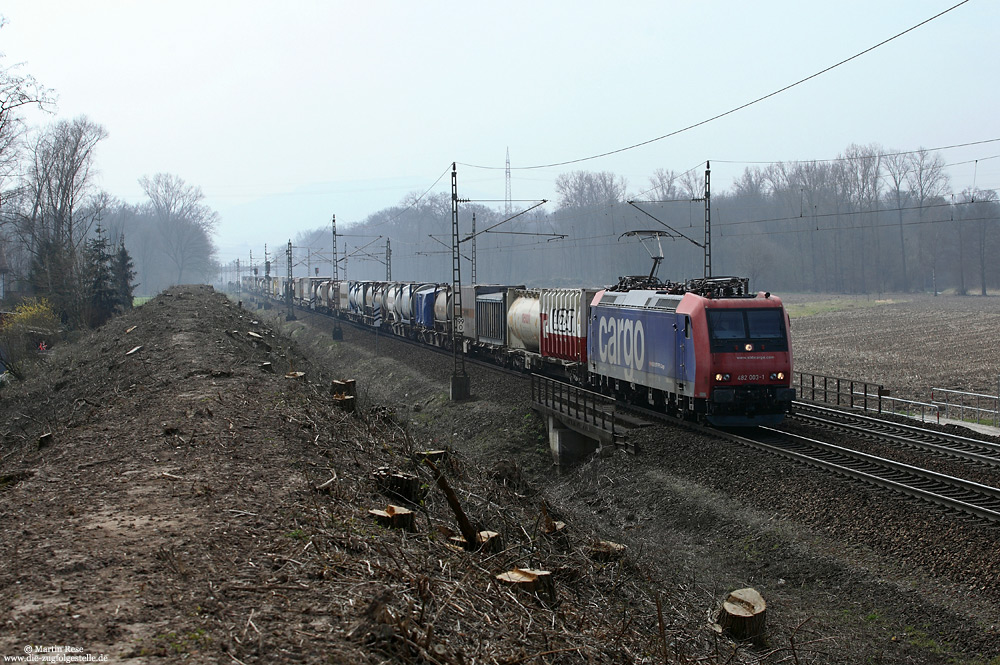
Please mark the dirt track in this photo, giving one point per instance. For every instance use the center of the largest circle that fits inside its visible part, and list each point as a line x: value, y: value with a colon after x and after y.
x: 172, y: 515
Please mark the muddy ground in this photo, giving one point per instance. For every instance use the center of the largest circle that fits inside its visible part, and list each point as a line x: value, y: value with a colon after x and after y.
x: 173, y: 514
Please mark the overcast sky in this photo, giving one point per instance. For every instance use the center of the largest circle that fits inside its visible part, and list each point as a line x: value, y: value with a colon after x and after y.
x: 287, y: 112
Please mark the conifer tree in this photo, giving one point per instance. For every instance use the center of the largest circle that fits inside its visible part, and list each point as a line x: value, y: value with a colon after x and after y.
x: 99, y: 287
x: 123, y: 273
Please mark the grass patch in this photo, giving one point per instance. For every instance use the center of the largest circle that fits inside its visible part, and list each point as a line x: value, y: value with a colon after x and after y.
x: 141, y: 300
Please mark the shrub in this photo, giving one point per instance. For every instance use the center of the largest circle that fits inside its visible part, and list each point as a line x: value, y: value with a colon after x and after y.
x: 31, y: 325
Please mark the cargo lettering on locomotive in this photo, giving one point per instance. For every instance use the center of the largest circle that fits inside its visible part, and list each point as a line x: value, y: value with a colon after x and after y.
x: 622, y: 341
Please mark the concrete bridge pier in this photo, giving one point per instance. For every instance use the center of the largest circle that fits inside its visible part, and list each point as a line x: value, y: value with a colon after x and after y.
x: 569, y: 446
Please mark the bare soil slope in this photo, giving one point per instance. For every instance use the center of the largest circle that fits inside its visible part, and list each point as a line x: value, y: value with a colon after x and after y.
x: 173, y: 514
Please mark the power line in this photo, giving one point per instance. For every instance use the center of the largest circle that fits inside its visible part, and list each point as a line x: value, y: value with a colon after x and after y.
x: 848, y: 212
x: 731, y: 111
x: 855, y: 227
x: 848, y: 159
x: 415, y: 201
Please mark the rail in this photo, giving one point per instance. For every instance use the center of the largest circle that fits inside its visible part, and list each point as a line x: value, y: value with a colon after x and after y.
x: 574, y: 402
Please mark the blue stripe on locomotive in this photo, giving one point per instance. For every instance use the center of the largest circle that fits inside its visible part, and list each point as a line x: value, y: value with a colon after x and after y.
x: 642, y: 346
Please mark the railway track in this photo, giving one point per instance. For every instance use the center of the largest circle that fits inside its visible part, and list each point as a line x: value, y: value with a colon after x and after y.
x: 940, y: 443
x: 949, y: 492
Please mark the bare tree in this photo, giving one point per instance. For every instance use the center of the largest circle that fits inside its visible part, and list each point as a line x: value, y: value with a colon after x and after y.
x: 663, y: 183
x: 56, y: 209
x: 897, y: 167
x: 981, y: 212
x: 17, y: 91
x: 859, y: 169
x: 692, y: 184
x: 184, y: 224
x: 60, y: 177
x: 585, y: 188
x: 752, y: 184
x: 927, y: 182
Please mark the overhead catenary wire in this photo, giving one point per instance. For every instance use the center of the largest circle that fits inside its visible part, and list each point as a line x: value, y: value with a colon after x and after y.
x: 729, y: 112
x: 863, y: 227
x: 845, y: 213
x: 415, y: 201
x: 848, y: 159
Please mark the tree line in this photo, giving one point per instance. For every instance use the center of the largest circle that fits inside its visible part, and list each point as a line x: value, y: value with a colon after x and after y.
x: 64, y: 239
x: 870, y: 220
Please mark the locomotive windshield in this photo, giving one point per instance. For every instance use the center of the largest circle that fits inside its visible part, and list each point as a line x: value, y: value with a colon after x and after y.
x: 763, y: 326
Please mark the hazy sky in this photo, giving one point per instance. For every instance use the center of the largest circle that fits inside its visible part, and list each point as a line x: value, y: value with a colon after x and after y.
x: 286, y: 112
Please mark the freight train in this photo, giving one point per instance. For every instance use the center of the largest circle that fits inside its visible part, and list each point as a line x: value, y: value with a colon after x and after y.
x: 705, y: 349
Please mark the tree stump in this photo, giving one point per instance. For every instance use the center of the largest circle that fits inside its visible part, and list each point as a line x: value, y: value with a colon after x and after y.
x: 344, y: 402
x: 533, y: 581
x: 347, y: 387
x: 395, y: 517
x: 554, y: 530
x: 743, y: 615
x: 605, y: 550
x: 433, y: 455
x: 489, y: 542
x: 405, y: 486
x: 344, y: 394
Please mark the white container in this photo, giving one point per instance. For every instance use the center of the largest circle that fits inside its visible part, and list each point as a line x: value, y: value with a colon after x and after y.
x: 523, y: 325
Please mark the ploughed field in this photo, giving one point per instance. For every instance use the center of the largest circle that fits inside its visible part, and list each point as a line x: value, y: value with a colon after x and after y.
x: 908, y: 343
x: 173, y: 513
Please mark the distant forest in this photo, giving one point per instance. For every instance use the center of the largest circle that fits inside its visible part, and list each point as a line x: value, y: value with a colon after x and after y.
x: 872, y: 220
x: 60, y: 233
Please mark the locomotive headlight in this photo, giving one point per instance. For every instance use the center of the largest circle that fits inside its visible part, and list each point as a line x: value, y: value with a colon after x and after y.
x: 722, y: 377
x: 718, y: 377
x: 781, y: 376
x: 774, y: 376
x: 748, y: 347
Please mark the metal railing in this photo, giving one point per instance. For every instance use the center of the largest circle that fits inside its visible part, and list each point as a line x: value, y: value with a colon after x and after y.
x: 574, y: 402
x: 966, y: 406
x: 910, y: 408
x: 945, y: 403
x: 840, y: 391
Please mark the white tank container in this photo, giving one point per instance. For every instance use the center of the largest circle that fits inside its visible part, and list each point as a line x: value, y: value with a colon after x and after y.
x: 355, y: 296
x: 391, y: 295
x: 523, y: 327
x: 341, y: 296
x: 442, y: 305
x: 404, y: 303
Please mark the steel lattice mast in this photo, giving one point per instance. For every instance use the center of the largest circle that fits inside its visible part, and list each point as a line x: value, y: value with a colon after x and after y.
x: 460, y: 388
